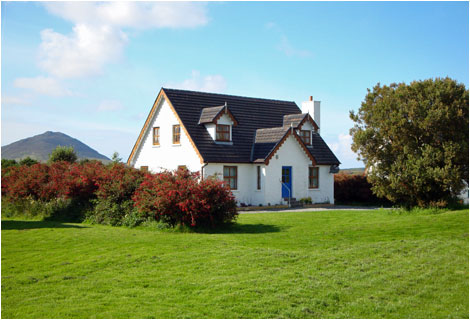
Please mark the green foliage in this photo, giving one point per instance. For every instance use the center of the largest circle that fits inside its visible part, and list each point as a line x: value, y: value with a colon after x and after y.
x: 296, y: 265
x: 307, y: 200
x: 116, y: 158
x: 6, y: 163
x: 68, y: 210
x: 109, y: 212
x: 62, y: 153
x: 414, y: 141
x: 28, y: 161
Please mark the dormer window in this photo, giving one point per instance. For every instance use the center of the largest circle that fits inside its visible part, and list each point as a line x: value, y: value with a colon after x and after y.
x: 222, y: 132
x: 219, y: 122
x: 305, y: 135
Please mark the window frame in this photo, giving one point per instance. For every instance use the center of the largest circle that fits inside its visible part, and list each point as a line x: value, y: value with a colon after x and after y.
x: 229, y: 177
x: 312, y: 176
x: 144, y: 168
x: 176, y: 135
x: 222, y: 132
x: 258, y: 177
x: 306, y: 135
x: 157, y: 135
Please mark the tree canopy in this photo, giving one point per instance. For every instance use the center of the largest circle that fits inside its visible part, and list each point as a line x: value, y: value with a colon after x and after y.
x: 413, y: 139
x: 61, y: 153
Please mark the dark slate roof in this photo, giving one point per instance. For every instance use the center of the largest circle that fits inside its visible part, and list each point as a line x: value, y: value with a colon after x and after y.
x: 251, y: 114
x: 321, y: 152
x: 265, y: 141
x: 208, y: 114
x: 260, y: 122
x: 293, y: 119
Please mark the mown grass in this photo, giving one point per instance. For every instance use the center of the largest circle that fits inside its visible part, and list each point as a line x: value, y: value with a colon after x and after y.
x: 331, y: 264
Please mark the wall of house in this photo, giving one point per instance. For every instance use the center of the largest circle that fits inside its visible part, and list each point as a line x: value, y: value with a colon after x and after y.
x: 247, y: 181
x: 291, y: 154
x: 166, y: 155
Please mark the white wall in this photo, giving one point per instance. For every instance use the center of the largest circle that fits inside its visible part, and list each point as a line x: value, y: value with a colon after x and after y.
x: 166, y: 155
x: 291, y: 154
x: 247, y: 181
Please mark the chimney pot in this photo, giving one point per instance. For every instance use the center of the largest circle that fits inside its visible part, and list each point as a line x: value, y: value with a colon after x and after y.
x: 311, y: 98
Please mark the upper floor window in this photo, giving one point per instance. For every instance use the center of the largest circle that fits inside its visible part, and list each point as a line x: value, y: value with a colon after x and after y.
x: 176, y: 134
x: 313, y: 178
x: 231, y: 176
x: 222, y: 132
x: 156, y: 136
x: 305, y: 136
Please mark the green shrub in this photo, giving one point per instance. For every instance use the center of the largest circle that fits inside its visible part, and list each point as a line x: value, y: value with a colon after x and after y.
x: 307, y: 200
x: 61, y: 153
x: 67, y: 210
x: 6, y: 163
x: 28, y: 161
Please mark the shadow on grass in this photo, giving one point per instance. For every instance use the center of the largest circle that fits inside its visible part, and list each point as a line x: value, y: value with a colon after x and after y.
x: 24, y: 225
x: 244, y: 228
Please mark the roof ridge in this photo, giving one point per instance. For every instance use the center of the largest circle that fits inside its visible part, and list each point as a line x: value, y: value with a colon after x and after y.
x: 229, y: 95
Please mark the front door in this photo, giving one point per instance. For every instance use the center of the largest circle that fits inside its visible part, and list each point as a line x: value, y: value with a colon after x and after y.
x: 286, y: 182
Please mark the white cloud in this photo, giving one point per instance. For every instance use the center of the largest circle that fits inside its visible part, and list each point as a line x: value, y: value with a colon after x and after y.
x: 98, y: 37
x: 286, y: 47
x: 139, y: 15
x: 82, y: 53
x: 342, y: 148
x: 43, y: 85
x: 15, y: 100
x: 110, y: 105
x: 209, y: 83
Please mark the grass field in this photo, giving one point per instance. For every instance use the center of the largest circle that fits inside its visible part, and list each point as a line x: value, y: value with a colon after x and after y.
x: 331, y: 264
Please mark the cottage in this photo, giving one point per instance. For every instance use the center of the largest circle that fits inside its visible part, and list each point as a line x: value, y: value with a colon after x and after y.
x: 267, y: 150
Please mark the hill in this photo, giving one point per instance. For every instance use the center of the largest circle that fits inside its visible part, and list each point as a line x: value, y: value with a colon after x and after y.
x: 39, y: 147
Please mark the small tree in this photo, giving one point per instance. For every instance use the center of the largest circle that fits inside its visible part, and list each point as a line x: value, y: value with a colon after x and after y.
x: 28, y: 161
x: 61, y: 153
x: 414, y: 140
x: 116, y: 158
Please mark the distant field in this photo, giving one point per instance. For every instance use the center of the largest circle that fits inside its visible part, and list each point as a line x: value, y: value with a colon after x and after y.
x: 331, y: 264
x: 352, y: 170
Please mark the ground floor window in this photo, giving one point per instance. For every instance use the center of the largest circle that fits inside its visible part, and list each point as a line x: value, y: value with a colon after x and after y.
x: 144, y: 168
x: 231, y: 176
x: 258, y: 177
x: 313, y: 179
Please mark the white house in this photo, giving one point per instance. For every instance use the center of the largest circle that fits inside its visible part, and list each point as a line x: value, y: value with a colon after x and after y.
x: 266, y: 150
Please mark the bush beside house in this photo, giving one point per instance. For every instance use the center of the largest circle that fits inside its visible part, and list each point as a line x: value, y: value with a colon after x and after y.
x: 114, y: 194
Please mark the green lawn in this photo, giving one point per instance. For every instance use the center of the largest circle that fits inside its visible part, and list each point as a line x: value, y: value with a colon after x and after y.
x: 331, y: 264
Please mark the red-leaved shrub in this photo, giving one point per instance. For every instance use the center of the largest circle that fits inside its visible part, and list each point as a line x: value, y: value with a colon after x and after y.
x: 118, y: 183
x: 181, y: 198
x: 354, y: 188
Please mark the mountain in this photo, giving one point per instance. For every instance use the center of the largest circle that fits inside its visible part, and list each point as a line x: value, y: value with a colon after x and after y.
x: 39, y: 147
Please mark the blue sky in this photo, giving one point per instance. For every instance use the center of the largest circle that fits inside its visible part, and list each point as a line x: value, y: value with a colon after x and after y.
x: 93, y: 70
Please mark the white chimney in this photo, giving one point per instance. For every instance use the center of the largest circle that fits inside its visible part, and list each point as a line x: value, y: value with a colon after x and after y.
x: 313, y: 108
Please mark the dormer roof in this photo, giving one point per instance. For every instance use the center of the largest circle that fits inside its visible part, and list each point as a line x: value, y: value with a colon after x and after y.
x: 212, y: 114
x: 298, y: 119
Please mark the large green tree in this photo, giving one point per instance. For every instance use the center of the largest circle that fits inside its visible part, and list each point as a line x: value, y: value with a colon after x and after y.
x: 413, y: 139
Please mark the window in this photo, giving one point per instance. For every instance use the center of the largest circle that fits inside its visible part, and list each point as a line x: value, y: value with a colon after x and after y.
x: 144, y: 168
x: 230, y: 176
x: 313, y: 178
x: 156, y: 136
x: 182, y: 167
x: 305, y: 136
x: 258, y: 178
x: 222, y: 132
x: 176, y: 134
